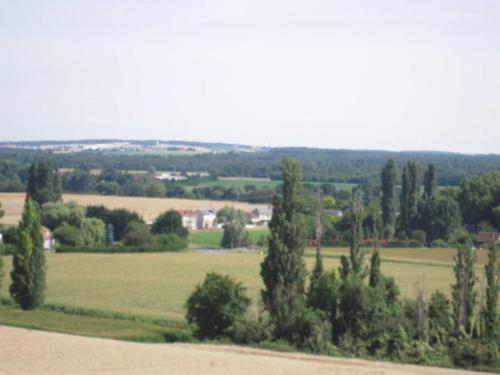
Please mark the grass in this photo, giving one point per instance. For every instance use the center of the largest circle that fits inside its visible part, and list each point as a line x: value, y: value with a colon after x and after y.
x: 157, y: 284
x: 213, y: 238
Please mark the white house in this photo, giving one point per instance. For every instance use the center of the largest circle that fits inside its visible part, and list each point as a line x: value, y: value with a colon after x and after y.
x: 261, y: 215
x: 189, y: 219
x: 206, y: 219
x: 48, y: 241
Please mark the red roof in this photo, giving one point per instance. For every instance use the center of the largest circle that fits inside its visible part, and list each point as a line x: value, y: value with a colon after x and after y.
x: 484, y: 237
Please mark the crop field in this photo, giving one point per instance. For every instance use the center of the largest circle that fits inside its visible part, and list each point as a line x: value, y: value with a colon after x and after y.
x: 263, y: 183
x: 158, y: 284
x: 148, y: 208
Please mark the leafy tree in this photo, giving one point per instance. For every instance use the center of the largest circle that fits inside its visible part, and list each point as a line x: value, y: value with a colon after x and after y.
x: 409, y: 197
x: 440, y: 324
x: 2, y: 212
x: 438, y: 216
x: 110, y: 236
x: 156, y: 189
x: 490, y: 312
x: 137, y: 234
x: 323, y: 294
x: 93, y: 231
x: 119, y: 218
x: 356, y: 217
x: 170, y: 222
x: 215, y: 305
x: 388, y: 203
x: 55, y: 214
x: 375, y: 274
x: 233, y: 221
x: 44, y: 184
x: 430, y: 180
x: 28, y: 262
x: 69, y: 235
x: 463, y: 294
x: 283, y: 269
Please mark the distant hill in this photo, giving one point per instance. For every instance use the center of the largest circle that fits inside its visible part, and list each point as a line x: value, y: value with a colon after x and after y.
x: 222, y: 159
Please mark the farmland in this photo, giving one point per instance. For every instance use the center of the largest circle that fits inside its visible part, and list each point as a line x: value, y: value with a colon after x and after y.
x: 158, y: 285
x: 213, y: 238
x: 148, y: 208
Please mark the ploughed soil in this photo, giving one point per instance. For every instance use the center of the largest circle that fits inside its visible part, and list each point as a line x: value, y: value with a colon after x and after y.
x: 25, y: 351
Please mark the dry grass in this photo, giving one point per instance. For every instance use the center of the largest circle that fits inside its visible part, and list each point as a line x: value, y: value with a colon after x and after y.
x: 53, y: 353
x: 159, y: 284
x: 148, y: 208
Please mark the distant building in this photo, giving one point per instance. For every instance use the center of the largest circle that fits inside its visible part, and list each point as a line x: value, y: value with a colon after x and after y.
x: 334, y: 213
x: 262, y: 215
x: 483, y: 238
x: 48, y: 240
x: 189, y: 219
x: 206, y: 219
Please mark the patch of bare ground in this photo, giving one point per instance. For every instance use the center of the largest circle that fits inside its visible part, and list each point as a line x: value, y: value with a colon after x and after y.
x: 24, y: 351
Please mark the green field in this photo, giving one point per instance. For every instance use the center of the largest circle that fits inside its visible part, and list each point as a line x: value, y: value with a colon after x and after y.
x: 213, y: 238
x: 157, y: 285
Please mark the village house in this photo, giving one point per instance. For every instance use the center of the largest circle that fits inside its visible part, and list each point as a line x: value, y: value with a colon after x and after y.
x: 483, y: 238
x: 206, y: 219
x: 189, y: 219
x: 261, y: 216
x: 48, y: 241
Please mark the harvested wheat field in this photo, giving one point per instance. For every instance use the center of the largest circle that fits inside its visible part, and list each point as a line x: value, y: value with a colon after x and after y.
x: 45, y: 353
x: 148, y: 208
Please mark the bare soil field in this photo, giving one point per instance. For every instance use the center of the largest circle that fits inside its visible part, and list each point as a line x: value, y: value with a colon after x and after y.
x: 24, y: 351
x: 148, y: 208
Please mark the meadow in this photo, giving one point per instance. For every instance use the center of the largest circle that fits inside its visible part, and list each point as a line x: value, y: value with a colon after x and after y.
x: 157, y: 285
x: 213, y: 238
x: 148, y: 208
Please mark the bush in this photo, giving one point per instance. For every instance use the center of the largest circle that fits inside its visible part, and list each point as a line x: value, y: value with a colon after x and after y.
x: 418, y: 235
x: 250, y: 332
x: 137, y: 234
x: 469, y: 353
x: 415, y: 243
x: 216, y: 305
x: 439, y: 243
x: 170, y: 222
x: 68, y: 235
x: 171, y: 242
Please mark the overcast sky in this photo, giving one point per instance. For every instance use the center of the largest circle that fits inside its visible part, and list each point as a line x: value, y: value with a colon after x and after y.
x: 396, y: 75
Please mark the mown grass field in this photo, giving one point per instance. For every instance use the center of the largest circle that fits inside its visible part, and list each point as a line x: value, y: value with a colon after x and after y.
x: 148, y: 208
x: 158, y: 285
x: 262, y: 183
x: 213, y: 238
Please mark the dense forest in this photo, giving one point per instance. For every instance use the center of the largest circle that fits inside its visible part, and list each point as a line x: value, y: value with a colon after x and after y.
x: 319, y: 164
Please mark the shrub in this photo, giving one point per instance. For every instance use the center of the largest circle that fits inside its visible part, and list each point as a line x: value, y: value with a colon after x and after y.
x: 415, y: 243
x: 171, y: 242
x: 137, y: 234
x: 469, y: 353
x: 418, y: 235
x: 439, y: 243
x: 248, y: 331
x: 170, y: 222
x: 216, y: 305
x: 68, y: 235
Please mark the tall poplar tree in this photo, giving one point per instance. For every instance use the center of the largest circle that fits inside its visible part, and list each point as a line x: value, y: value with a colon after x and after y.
x: 356, y: 216
x: 388, y: 179
x: 283, y: 269
x: 430, y: 181
x: 44, y: 184
x: 410, y: 194
x: 490, y: 312
x: 463, y: 294
x: 28, y: 262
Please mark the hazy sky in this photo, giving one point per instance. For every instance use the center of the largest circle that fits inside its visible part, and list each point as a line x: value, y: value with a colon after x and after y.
x: 397, y: 75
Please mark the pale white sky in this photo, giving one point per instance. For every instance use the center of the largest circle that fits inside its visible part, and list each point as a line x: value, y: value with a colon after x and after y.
x: 397, y: 75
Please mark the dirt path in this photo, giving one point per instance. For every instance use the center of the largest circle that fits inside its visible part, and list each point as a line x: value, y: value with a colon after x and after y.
x: 34, y: 352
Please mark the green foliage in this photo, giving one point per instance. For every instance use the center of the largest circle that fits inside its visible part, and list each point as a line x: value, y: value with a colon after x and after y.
x: 323, y: 294
x: 463, y: 294
x: 479, y: 197
x: 110, y: 235
x: 234, y: 234
x: 490, y: 311
x: 438, y: 216
x: 469, y: 353
x: 283, y: 269
x: 375, y: 274
x: 2, y: 212
x: 28, y: 262
x: 44, y: 184
x: 171, y: 242
x: 216, y: 305
x: 245, y: 331
x: 119, y: 218
x: 55, y: 214
x: 430, y: 180
x: 409, y: 197
x: 388, y: 179
x: 68, y: 235
x: 170, y: 222
x: 137, y: 234
x: 356, y: 255
x: 440, y: 323
x: 439, y: 243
